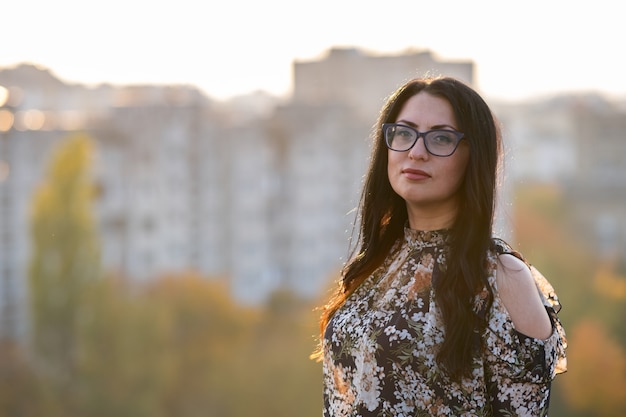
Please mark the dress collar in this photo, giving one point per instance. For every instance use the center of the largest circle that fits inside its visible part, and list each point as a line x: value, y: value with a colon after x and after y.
x: 426, y: 238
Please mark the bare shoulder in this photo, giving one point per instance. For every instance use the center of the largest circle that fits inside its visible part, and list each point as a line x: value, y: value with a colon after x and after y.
x: 519, y: 294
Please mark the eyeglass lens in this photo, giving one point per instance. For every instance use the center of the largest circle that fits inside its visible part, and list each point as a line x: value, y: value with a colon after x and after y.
x: 437, y: 142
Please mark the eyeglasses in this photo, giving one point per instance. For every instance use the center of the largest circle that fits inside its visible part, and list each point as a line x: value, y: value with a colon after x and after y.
x: 438, y: 142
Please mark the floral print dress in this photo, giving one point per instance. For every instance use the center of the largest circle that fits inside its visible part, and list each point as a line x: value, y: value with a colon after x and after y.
x: 380, y: 346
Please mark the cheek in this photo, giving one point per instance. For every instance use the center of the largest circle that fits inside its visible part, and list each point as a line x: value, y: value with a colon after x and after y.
x: 395, y: 159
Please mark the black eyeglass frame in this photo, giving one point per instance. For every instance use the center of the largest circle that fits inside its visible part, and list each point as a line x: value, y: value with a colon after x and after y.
x: 459, y: 136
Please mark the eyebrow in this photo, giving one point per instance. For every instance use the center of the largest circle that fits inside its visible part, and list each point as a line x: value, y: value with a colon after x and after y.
x: 436, y: 127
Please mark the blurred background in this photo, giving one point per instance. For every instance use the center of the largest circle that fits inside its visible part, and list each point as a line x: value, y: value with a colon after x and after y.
x: 177, y: 185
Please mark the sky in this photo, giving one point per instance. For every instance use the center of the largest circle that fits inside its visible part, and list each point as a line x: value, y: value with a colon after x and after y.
x: 521, y: 49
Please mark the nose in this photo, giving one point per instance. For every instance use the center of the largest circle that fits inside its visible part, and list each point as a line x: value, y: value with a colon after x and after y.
x: 418, y: 151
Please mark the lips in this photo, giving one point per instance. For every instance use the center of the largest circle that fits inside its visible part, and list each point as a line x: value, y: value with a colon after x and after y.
x: 415, y: 174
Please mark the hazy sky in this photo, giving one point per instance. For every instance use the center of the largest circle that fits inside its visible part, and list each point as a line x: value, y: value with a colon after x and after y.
x: 229, y: 47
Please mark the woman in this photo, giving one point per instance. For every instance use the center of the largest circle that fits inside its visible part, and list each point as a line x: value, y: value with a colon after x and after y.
x: 434, y: 316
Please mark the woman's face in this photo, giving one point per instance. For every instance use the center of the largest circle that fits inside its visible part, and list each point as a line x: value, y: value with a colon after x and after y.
x: 429, y: 184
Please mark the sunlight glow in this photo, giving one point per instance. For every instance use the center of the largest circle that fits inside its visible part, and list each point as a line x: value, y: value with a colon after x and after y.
x: 29, y: 120
x: 4, y: 95
x: 6, y: 120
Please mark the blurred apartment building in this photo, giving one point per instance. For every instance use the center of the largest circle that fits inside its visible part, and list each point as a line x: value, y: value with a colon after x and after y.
x: 576, y: 141
x: 597, y: 189
x: 258, y: 191
x: 362, y: 82
x: 259, y: 194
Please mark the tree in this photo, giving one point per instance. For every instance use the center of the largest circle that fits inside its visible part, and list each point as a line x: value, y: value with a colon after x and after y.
x: 277, y: 361
x: 20, y: 391
x: 207, y: 332
x: 123, y: 364
x: 65, y: 260
x: 592, y: 293
x: 595, y: 357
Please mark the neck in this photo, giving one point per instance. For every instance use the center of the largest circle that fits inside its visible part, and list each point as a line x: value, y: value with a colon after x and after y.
x: 422, y: 218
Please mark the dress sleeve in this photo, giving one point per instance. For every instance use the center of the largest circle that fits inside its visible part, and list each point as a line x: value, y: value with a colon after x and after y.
x: 553, y: 306
x: 519, y: 369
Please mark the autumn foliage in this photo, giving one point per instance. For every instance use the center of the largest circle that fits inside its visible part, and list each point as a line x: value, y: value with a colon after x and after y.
x: 597, y: 379
x: 592, y: 292
x: 181, y: 347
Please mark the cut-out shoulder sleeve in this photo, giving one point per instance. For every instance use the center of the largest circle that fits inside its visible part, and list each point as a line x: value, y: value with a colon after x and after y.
x: 553, y: 306
x: 521, y: 298
x: 519, y: 369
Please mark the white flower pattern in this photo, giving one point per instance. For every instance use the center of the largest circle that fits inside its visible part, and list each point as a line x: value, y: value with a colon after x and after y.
x: 380, y: 347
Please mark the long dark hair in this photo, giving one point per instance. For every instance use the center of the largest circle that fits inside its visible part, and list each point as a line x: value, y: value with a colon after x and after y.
x: 383, y: 215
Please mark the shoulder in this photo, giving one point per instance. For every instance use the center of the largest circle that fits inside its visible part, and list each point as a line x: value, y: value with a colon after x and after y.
x: 518, y: 291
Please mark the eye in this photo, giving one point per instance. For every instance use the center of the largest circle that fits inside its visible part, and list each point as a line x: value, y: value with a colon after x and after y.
x: 404, y: 133
x: 442, y: 138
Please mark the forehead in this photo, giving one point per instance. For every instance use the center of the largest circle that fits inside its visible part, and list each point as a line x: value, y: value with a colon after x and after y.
x: 425, y: 110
